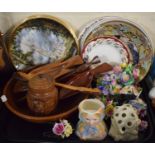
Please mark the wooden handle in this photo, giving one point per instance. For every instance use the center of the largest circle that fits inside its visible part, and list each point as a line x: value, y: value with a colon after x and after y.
x: 76, y: 88
x: 56, y: 69
x: 76, y: 60
x: 2, y: 63
x: 101, y: 69
x: 54, y: 74
x: 25, y: 75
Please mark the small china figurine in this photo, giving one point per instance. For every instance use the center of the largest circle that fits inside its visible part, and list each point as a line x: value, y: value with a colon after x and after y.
x: 91, y: 125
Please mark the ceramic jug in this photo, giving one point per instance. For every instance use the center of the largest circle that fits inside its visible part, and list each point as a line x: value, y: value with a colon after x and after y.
x: 91, y: 125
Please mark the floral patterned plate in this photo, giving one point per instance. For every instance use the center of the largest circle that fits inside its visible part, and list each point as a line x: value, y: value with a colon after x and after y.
x: 40, y: 40
x: 108, y: 50
x: 130, y: 33
x: 86, y: 29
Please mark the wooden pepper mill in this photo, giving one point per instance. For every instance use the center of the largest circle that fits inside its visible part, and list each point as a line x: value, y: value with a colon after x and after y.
x: 42, y: 95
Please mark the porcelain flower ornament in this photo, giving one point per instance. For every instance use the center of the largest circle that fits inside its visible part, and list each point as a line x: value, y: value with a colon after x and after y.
x: 63, y: 129
x: 120, y: 81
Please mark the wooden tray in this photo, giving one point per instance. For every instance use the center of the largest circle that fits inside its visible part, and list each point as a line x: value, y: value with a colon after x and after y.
x: 11, y: 127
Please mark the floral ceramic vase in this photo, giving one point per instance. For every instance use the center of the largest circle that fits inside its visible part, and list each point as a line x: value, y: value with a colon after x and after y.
x: 91, y: 125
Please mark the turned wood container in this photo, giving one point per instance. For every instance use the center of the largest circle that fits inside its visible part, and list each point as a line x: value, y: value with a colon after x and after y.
x: 42, y: 95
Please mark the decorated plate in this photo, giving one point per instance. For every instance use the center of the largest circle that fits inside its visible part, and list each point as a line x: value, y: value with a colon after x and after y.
x: 130, y: 33
x: 40, y: 40
x: 108, y: 50
x: 86, y: 29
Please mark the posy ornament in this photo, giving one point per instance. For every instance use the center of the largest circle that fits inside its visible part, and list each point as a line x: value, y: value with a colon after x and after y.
x: 63, y: 129
x: 120, y: 77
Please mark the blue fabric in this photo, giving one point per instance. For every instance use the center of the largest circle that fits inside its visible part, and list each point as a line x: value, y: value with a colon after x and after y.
x: 89, y: 130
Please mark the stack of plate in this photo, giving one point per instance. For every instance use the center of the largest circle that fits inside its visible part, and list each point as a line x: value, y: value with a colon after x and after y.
x: 116, y: 40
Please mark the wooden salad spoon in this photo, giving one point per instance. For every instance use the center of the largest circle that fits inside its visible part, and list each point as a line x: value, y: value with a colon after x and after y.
x: 66, y: 86
x: 57, y: 66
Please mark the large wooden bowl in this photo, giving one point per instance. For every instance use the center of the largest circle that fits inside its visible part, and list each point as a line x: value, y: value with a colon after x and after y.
x: 17, y: 104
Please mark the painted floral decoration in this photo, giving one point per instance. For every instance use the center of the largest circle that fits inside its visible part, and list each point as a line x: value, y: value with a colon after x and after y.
x: 63, y: 129
x: 38, y: 46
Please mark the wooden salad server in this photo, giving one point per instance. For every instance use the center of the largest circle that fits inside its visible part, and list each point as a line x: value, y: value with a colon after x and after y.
x: 78, y: 74
x: 55, y: 69
x: 83, y: 79
x: 66, y: 86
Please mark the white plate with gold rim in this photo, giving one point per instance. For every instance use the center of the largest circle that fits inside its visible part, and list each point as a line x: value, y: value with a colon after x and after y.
x: 108, y: 50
